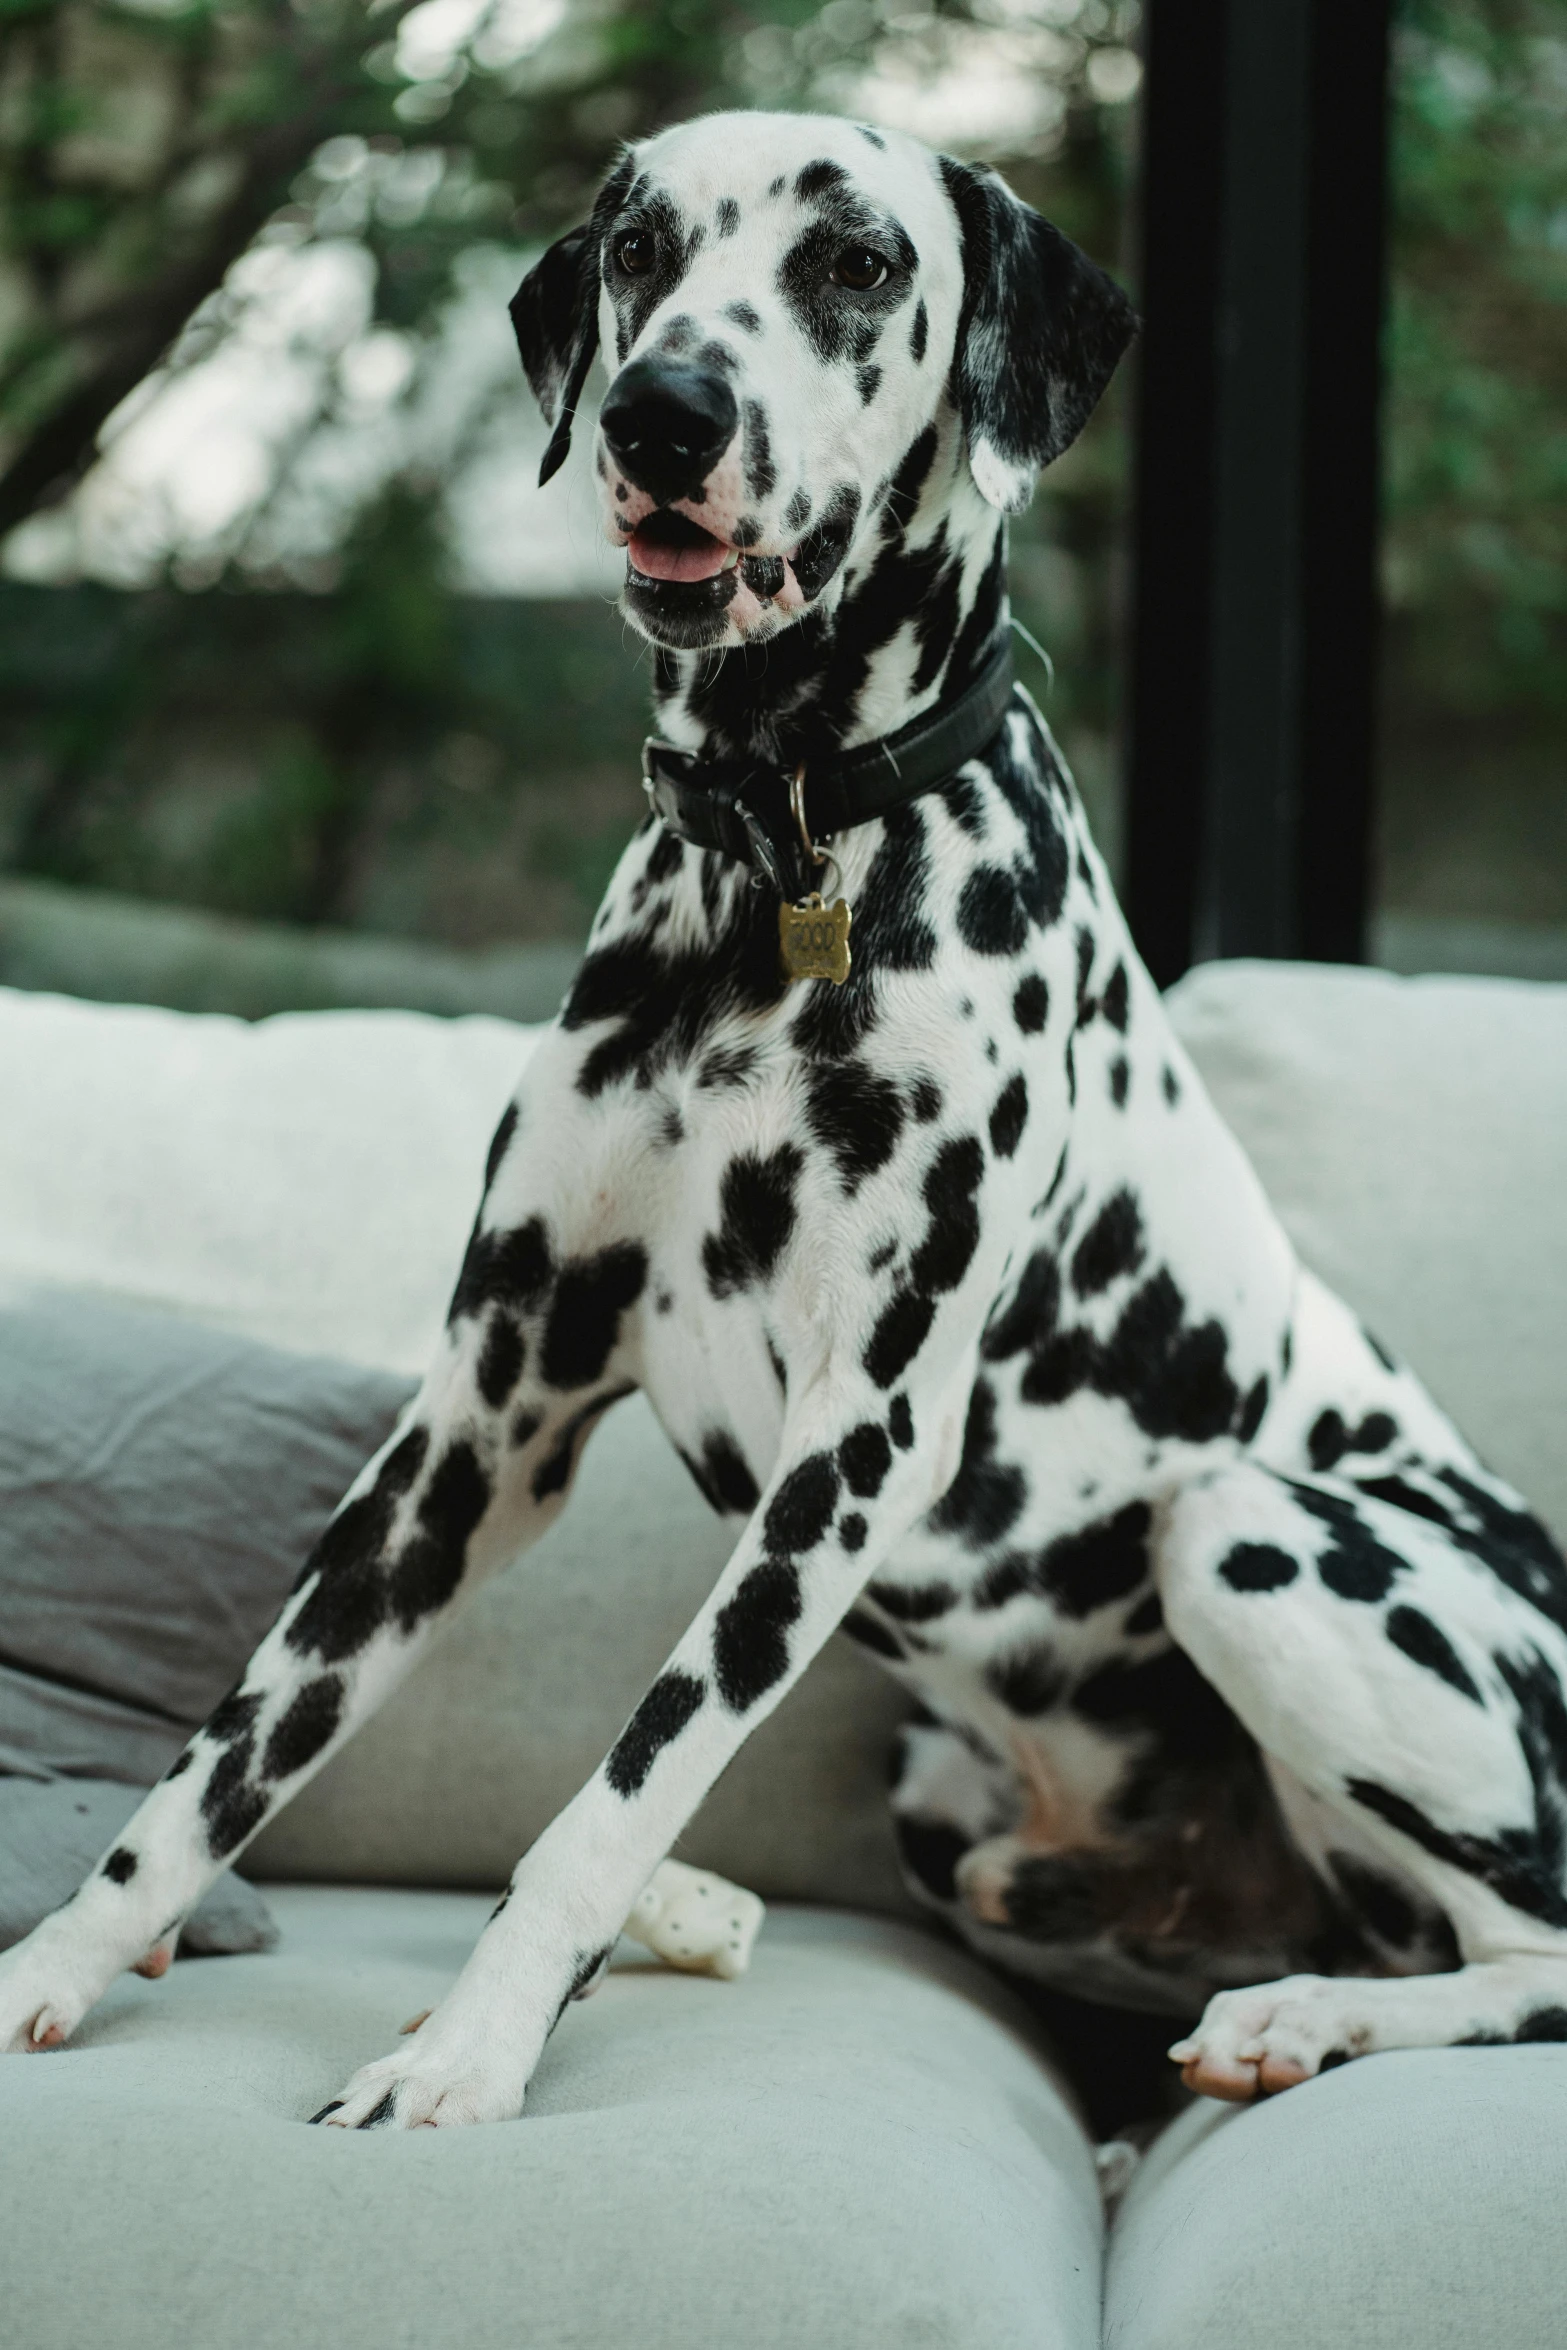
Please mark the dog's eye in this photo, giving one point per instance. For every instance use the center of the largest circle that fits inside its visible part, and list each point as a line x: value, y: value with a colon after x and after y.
x: 635, y: 252
x: 858, y: 268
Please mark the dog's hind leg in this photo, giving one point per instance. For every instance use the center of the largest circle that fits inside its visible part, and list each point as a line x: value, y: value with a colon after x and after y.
x: 539, y: 1342
x: 1391, y: 1663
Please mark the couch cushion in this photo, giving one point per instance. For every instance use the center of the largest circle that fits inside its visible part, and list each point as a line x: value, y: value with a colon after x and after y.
x: 309, y: 1179
x: 1412, y: 1134
x: 1410, y: 2198
x: 856, y: 2145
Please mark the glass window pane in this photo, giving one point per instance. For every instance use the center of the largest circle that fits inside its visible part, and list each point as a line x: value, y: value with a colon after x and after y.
x: 1472, y: 831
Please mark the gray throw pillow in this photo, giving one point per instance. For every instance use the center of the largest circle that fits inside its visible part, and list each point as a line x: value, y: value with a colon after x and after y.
x: 160, y: 1484
x: 53, y: 1830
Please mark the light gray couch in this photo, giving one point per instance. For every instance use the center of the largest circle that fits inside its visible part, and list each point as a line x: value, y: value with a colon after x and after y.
x: 863, y: 2142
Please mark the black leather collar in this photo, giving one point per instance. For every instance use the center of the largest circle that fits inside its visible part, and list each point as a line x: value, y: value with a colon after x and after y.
x: 744, y: 810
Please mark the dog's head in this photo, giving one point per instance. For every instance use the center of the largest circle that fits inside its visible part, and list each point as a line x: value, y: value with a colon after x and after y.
x: 786, y: 303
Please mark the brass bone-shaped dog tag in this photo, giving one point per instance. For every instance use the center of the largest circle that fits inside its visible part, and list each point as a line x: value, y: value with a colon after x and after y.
x: 813, y: 939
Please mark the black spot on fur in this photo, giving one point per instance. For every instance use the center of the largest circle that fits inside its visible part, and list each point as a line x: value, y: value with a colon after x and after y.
x: 914, y: 1603
x: 761, y: 474
x: 1253, y: 1410
x: 750, y: 1637
x: 919, y: 333
x: 865, y: 1632
x: 1512, y: 1543
x: 1374, y: 1896
x: 304, y: 1728
x: 1173, y: 1378
x: 931, y: 1851
x: 1120, y: 1080
x: 584, y: 1318
x: 852, y: 1530
x: 864, y: 1457
x: 233, y: 1717
x: 664, y: 1712
x: 857, y: 1114
x: 1031, y: 1004
x: 120, y: 1866
x: 1078, y: 1572
x: 954, y: 1176
x: 726, y: 1478
x: 431, y: 1567
x: 510, y: 1269
x: 554, y: 1472
x: 1258, y: 1566
x: 871, y: 138
x: 500, y: 1363
x: 816, y: 179
x: 500, y: 1144
x: 1424, y: 1644
x: 800, y: 1512
x: 868, y: 383
x: 926, y: 1101
x: 1009, y: 1117
x: 347, y: 1605
x: 1170, y: 1085
x: 743, y: 315
x: 1112, y: 1246
x: 1330, y: 1439
x: 1403, y: 1495
x: 990, y: 914
x: 1103, y: 1562
x: 1356, y: 1564
x: 1028, y: 1682
x: 728, y: 216
x: 231, y: 1808
x: 900, y: 1423
x: 901, y: 1330
x: 1543, y: 2023
x: 181, y: 1763
x: 1513, y: 1863
x: 986, y: 1497
x: 725, y: 1067
x: 756, y: 1219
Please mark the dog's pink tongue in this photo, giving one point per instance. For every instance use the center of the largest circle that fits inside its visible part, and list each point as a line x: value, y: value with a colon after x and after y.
x: 656, y: 559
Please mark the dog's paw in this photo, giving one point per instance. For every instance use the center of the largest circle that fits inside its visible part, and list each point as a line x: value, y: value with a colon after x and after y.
x: 438, y: 2080
x: 1255, y: 2043
x: 47, y: 1984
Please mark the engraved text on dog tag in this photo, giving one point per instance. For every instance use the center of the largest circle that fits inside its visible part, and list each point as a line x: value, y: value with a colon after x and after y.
x: 814, y: 939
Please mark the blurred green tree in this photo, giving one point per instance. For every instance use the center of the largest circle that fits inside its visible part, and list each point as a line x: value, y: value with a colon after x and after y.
x: 148, y: 146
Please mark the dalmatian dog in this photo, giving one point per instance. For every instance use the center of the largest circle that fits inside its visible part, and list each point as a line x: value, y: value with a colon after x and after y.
x: 1237, y: 1680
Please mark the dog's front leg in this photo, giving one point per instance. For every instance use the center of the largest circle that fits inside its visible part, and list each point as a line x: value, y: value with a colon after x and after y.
x: 478, y: 1468
x: 854, y: 1473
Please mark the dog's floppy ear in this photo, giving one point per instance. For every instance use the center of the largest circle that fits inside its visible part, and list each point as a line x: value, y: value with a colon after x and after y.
x: 554, y: 314
x: 1039, y: 336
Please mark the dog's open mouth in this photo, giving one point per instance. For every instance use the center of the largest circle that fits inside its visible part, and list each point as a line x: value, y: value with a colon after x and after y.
x: 672, y: 547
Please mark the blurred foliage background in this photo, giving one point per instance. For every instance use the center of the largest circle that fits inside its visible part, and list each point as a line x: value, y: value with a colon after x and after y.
x: 1474, y: 720
x: 286, y: 633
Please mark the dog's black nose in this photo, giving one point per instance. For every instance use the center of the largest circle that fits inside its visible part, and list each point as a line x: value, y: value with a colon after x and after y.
x: 667, y: 425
